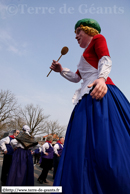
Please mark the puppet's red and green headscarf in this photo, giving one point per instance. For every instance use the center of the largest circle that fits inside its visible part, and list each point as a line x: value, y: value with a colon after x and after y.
x: 90, y: 26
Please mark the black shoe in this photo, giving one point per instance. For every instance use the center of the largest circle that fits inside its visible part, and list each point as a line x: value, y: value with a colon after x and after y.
x: 45, y: 181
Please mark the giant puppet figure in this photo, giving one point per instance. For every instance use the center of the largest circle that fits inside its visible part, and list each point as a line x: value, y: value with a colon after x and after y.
x: 96, y: 155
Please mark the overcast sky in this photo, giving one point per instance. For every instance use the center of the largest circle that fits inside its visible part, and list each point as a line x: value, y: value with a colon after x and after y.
x: 32, y: 34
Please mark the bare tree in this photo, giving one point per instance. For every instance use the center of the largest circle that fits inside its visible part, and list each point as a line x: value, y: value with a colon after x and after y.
x: 8, y: 105
x: 34, y: 117
x: 53, y: 127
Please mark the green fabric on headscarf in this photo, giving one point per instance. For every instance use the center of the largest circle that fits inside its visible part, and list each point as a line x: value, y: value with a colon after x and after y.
x: 90, y: 23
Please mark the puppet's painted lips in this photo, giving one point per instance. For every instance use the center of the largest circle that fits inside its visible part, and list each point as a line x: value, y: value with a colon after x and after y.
x: 78, y: 40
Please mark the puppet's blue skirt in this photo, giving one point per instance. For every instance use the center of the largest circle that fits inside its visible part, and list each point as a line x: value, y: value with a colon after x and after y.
x: 96, y: 154
x: 21, y: 171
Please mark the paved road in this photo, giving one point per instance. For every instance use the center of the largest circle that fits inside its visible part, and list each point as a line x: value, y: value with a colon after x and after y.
x: 37, y: 172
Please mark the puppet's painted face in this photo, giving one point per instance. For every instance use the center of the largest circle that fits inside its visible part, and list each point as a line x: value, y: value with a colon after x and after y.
x: 82, y: 38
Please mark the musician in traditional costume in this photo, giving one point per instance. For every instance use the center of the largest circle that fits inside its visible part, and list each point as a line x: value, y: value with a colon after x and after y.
x: 8, y: 152
x: 22, y: 171
x: 96, y: 156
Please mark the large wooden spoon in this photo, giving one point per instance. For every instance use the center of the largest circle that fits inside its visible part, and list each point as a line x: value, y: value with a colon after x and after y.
x: 64, y: 50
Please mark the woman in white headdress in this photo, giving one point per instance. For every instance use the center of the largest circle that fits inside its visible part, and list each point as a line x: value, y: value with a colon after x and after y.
x: 22, y: 171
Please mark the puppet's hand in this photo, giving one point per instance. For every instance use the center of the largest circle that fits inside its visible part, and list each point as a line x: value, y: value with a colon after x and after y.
x: 56, y: 66
x: 99, y: 90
